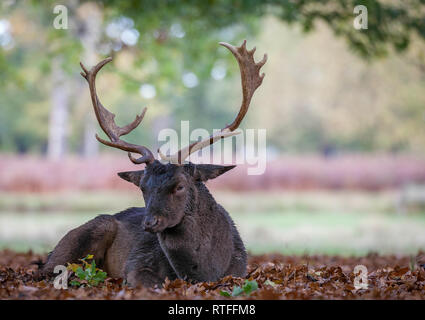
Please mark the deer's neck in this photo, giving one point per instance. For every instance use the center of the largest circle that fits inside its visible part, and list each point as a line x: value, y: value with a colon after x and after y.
x: 200, y: 212
x: 189, y: 245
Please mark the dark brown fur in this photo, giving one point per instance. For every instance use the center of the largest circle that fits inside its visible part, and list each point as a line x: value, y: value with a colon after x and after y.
x: 181, y: 233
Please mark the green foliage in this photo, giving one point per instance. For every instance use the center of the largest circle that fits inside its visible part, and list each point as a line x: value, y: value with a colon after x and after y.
x: 87, y: 273
x: 391, y: 24
x: 248, y: 287
x: 270, y: 283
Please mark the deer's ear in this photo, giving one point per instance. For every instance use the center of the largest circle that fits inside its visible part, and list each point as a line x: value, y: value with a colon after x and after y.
x: 206, y: 172
x: 132, y: 176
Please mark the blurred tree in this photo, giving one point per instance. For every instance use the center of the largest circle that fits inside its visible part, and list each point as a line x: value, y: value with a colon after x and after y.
x: 322, y: 97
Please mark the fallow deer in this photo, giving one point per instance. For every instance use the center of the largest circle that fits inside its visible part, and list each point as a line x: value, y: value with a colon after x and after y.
x: 182, y: 232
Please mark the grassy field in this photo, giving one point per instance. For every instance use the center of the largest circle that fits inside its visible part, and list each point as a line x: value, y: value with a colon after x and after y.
x: 343, y: 223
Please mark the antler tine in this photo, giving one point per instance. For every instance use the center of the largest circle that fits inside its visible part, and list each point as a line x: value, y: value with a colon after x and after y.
x: 106, y: 120
x: 250, y: 79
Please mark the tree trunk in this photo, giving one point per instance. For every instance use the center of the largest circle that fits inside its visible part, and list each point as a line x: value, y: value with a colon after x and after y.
x: 58, y: 119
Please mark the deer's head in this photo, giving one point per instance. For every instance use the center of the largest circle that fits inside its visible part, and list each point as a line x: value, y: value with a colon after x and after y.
x: 170, y: 191
x: 170, y: 187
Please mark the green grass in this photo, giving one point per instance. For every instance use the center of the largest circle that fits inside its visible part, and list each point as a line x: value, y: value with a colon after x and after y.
x: 69, y: 201
x: 348, y: 233
x: 289, y: 223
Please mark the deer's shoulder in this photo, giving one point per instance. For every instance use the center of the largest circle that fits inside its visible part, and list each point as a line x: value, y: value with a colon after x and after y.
x: 133, y: 215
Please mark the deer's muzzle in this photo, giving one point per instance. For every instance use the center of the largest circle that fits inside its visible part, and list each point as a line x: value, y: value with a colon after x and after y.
x: 150, y: 224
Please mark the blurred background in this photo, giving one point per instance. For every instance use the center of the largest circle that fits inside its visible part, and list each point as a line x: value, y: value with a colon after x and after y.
x: 344, y: 111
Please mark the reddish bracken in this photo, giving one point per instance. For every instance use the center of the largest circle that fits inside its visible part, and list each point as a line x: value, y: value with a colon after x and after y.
x: 36, y: 174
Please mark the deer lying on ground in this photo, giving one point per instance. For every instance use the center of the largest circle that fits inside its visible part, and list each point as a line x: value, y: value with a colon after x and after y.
x: 182, y: 232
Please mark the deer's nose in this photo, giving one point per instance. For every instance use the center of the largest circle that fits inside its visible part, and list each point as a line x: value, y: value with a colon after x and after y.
x: 150, y: 222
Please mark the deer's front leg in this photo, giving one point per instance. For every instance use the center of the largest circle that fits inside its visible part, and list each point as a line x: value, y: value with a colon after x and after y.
x: 93, y: 237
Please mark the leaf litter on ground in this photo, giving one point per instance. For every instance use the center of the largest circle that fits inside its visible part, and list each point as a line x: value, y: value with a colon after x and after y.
x: 269, y: 276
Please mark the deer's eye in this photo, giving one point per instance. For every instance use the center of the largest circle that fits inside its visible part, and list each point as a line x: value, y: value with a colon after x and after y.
x: 179, y: 188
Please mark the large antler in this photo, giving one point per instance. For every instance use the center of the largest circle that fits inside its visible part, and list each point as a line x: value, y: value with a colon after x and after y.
x: 251, y: 80
x: 107, y: 122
